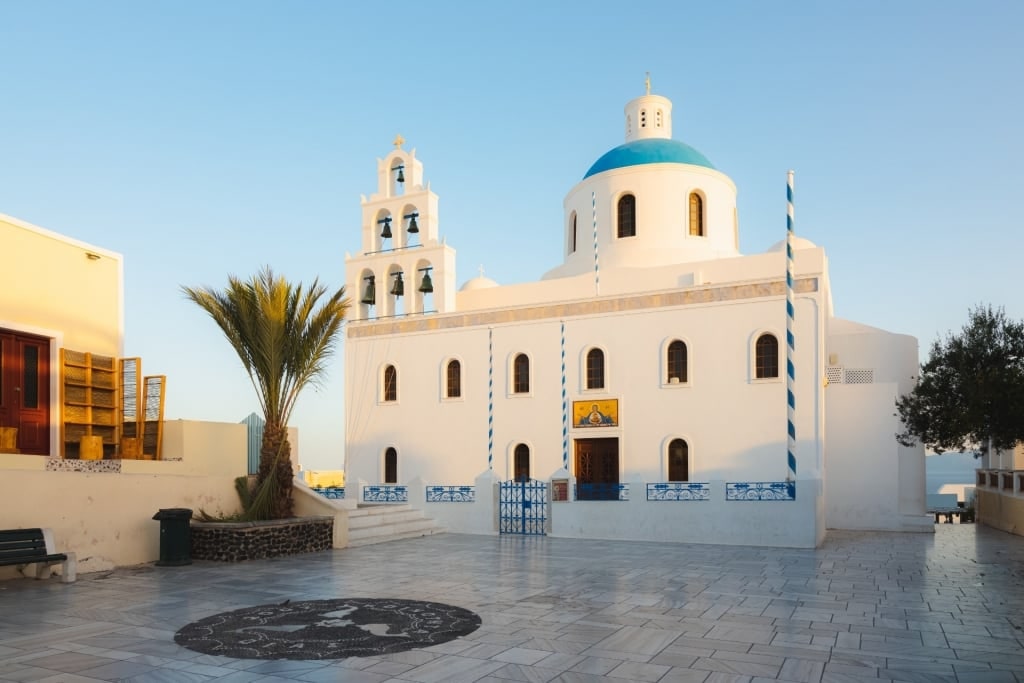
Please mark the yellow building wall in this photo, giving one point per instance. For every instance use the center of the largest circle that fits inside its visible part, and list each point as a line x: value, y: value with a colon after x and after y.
x: 1001, y: 511
x: 50, y: 286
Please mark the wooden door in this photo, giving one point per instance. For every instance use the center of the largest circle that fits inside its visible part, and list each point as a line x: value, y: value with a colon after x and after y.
x: 25, y: 389
x: 597, y: 461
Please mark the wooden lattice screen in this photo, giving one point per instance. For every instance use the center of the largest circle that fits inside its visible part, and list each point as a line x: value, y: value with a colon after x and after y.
x: 153, y: 416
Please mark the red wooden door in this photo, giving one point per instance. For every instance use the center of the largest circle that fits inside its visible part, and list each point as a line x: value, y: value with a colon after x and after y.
x: 25, y: 389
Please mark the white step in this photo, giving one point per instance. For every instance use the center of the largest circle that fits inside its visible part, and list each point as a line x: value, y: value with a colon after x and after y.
x: 382, y: 523
x: 352, y: 543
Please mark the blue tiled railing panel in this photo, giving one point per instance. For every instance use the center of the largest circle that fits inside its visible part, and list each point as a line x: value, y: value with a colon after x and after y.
x: 761, y: 490
x: 333, y: 492
x: 386, y: 493
x: 602, y: 491
x: 451, y: 494
x: 679, y: 490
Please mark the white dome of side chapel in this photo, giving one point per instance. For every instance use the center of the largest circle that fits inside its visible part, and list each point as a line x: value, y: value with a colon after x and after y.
x: 479, y: 282
x: 798, y: 243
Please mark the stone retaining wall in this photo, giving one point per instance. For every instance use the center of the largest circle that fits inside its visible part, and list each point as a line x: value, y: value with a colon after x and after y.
x: 235, y: 542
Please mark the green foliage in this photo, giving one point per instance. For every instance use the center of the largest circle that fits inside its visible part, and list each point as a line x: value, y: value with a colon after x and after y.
x: 283, y: 334
x: 971, y: 389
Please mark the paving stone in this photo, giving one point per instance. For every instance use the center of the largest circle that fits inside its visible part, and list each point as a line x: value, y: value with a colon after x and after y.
x: 864, y: 607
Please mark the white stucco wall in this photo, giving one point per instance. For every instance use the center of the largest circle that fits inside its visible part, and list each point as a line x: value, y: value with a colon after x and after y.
x: 734, y: 425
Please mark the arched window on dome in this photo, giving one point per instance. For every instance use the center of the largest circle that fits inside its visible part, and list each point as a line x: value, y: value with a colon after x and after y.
x: 643, y: 118
x: 657, y: 119
x: 678, y: 460
x: 627, y: 216
x: 766, y: 357
x: 595, y: 369
x: 629, y: 125
x: 696, y: 215
x: 572, y: 233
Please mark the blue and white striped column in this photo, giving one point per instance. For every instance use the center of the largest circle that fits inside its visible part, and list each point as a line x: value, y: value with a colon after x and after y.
x: 790, y: 341
x: 565, y: 410
x: 490, y: 398
x: 597, y: 265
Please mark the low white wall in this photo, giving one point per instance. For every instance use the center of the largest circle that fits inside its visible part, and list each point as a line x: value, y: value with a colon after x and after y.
x: 478, y: 517
x: 717, y: 520
x: 106, y: 517
x: 310, y: 504
x: 798, y: 523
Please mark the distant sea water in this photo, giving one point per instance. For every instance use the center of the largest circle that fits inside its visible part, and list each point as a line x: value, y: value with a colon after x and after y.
x: 950, y: 473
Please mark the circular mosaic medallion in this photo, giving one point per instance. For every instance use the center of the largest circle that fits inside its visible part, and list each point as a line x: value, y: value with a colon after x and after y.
x: 327, y: 629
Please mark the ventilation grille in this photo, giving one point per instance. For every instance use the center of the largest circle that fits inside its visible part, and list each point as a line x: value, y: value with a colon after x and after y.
x: 860, y: 377
x: 837, y: 374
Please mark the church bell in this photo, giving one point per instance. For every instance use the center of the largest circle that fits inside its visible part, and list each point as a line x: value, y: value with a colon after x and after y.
x: 399, y: 287
x: 401, y: 174
x: 386, y: 232
x: 370, y: 296
x: 426, y: 287
x: 413, y: 227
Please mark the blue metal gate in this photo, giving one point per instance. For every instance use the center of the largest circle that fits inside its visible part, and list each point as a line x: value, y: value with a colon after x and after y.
x: 523, y: 507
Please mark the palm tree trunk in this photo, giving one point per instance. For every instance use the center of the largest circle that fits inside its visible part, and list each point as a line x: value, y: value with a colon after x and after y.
x: 275, y: 457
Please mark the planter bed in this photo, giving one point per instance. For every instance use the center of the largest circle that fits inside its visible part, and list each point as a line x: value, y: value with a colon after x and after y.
x: 238, y: 541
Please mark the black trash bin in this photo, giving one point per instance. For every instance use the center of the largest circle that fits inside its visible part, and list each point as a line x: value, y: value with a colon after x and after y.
x: 175, y: 537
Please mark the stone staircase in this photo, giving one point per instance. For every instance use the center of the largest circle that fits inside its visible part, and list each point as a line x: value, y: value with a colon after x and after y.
x: 369, y: 524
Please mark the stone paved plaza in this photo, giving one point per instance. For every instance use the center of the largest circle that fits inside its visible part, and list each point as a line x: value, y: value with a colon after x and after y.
x: 863, y: 607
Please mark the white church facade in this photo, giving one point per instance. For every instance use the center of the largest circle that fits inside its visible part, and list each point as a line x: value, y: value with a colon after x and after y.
x: 641, y: 383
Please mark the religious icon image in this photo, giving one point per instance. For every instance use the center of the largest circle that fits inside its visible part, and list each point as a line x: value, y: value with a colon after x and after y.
x: 596, y: 413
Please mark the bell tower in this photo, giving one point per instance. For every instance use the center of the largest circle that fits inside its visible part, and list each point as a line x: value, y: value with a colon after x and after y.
x: 404, y: 269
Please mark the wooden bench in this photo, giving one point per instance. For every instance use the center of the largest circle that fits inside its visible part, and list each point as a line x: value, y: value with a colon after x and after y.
x: 35, y: 546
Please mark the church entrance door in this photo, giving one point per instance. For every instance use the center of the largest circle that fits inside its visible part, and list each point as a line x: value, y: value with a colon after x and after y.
x: 597, y: 469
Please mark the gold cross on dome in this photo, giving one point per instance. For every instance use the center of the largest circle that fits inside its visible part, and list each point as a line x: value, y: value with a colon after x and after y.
x: 647, y: 82
x: 399, y: 141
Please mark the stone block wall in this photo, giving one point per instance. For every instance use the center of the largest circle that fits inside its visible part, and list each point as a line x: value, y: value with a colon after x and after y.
x: 235, y: 542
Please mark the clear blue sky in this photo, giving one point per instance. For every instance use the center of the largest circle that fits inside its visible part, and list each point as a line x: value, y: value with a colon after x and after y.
x: 205, y: 138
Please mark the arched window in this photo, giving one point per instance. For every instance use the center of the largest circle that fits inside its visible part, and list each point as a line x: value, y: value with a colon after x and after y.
x: 521, y: 374
x: 521, y: 463
x: 390, y: 383
x: 627, y: 216
x: 677, y: 363
x: 453, y: 377
x: 657, y: 118
x: 766, y: 357
x: 643, y: 118
x: 678, y: 461
x: 595, y: 369
x: 572, y: 234
x: 696, y: 215
x: 390, y: 466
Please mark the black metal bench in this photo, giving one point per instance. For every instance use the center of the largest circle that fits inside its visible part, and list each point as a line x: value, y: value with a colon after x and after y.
x: 35, y: 546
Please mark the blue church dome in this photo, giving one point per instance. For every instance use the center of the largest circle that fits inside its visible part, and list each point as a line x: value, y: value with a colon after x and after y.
x: 648, y: 151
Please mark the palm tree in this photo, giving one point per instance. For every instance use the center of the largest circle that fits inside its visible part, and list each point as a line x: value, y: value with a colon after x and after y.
x: 284, y: 334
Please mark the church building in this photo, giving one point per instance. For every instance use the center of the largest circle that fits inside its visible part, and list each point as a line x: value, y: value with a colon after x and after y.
x: 643, y: 380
